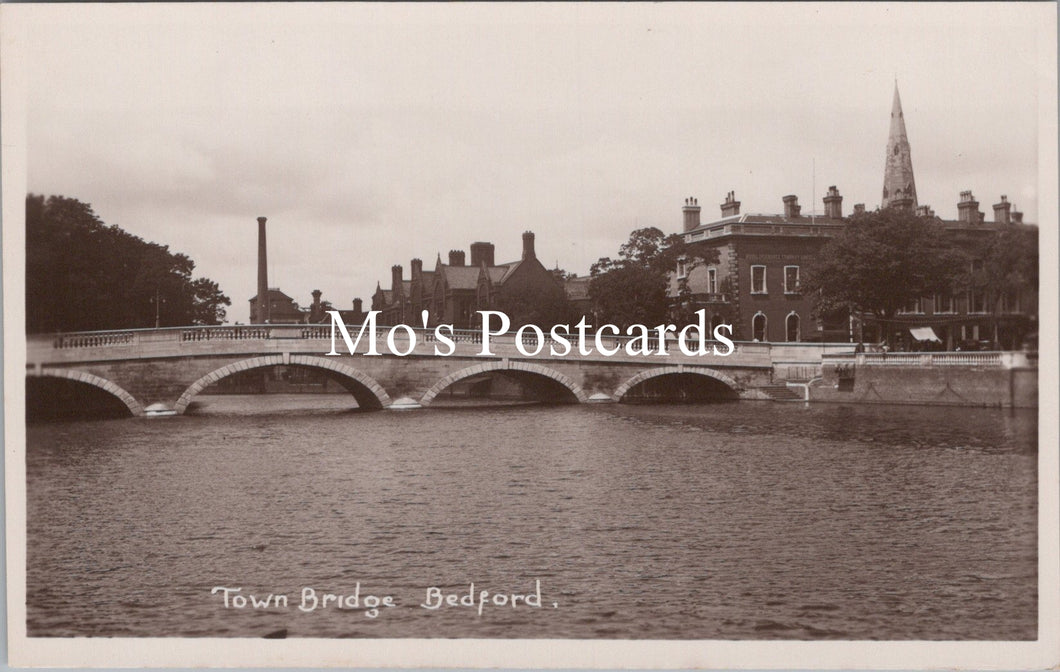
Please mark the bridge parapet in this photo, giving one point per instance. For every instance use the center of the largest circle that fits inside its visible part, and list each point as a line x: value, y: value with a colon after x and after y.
x: 998, y: 359
x: 317, y: 339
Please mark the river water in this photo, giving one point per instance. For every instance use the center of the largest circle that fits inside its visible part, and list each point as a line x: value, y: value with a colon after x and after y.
x: 746, y: 520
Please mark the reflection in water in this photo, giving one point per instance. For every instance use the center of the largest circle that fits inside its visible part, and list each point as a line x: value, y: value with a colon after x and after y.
x: 749, y: 520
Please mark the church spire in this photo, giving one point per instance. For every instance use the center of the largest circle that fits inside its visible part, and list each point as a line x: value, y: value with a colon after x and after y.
x: 899, y: 188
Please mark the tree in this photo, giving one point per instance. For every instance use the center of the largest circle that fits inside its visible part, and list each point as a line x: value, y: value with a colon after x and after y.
x: 82, y: 274
x: 1009, y: 266
x: 633, y: 288
x: 881, y: 263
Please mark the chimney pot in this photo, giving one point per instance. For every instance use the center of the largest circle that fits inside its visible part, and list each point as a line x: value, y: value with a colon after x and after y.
x: 528, y: 245
x: 968, y: 209
x: 833, y: 203
x: 482, y: 253
x: 691, y: 214
x: 731, y: 206
x: 1002, y: 211
x: 791, y: 206
x: 456, y: 257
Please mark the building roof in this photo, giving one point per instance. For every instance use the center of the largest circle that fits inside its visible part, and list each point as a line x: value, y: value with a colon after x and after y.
x: 461, y: 277
x: 577, y: 288
x: 497, y: 274
x: 764, y: 224
x: 509, y: 269
x: 273, y: 294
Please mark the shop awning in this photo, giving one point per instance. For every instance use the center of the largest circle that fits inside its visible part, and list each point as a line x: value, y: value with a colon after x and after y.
x: 924, y: 334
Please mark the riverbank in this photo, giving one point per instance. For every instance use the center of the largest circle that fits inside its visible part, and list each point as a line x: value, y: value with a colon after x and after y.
x: 1005, y: 380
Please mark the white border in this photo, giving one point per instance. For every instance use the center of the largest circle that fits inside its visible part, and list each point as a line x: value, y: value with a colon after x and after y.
x: 126, y: 652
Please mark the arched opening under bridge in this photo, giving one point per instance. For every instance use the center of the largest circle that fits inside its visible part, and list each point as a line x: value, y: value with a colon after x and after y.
x: 501, y: 382
x: 60, y: 394
x: 313, y: 379
x: 673, y: 384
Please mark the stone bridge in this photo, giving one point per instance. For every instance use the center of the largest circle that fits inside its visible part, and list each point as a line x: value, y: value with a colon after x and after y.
x: 162, y: 370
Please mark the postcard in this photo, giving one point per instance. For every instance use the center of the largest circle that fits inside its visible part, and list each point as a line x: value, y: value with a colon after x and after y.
x: 531, y: 335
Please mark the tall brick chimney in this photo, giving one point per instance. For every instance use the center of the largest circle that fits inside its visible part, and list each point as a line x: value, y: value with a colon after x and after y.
x: 528, y: 245
x: 1002, y: 210
x: 968, y: 209
x: 417, y: 269
x: 691, y: 213
x: 731, y: 206
x: 263, y: 275
x: 456, y: 257
x: 1017, y: 217
x: 395, y: 279
x: 859, y: 208
x: 791, y: 206
x: 833, y: 203
x: 358, y: 306
x: 482, y: 253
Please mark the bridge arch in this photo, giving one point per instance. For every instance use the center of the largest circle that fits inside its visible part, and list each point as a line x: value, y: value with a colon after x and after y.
x: 625, y: 387
x: 486, y: 367
x: 367, y: 392
x: 134, y: 406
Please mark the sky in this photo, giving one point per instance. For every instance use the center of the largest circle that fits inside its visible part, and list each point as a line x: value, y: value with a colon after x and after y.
x: 372, y: 134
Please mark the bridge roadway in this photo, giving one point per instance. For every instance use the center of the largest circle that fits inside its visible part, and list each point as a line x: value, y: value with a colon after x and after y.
x: 163, y: 369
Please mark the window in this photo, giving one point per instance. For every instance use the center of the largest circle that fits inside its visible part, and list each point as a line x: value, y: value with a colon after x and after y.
x: 791, y: 279
x: 758, y: 327
x: 792, y: 326
x: 682, y: 268
x: 944, y: 303
x: 976, y: 302
x: 915, y: 306
x: 712, y: 281
x: 758, y: 279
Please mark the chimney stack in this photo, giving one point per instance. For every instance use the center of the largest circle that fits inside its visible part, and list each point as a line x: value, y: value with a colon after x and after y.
x: 731, y: 206
x: 481, y: 253
x: 968, y: 209
x: 924, y: 211
x: 1002, y: 211
x: 357, y: 306
x: 417, y: 269
x: 859, y: 208
x: 691, y: 212
x: 1017, y: 217
x: 528, y: 245
x: 263, y: 275
x: 395, y: 280
x: 456, y: 257
x: 791, y: 206
x: 833, y: 203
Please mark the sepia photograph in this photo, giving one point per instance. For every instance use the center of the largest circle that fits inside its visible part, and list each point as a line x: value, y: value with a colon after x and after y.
x: 533, y: 335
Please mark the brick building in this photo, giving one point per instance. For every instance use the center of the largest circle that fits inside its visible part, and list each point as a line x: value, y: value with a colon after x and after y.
x: 755, y: 285
x: 452, y: 293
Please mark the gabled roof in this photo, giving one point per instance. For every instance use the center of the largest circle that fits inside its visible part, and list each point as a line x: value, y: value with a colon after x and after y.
x: 509, y: 269
x: 460, y: 277
x: 498, y: 273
